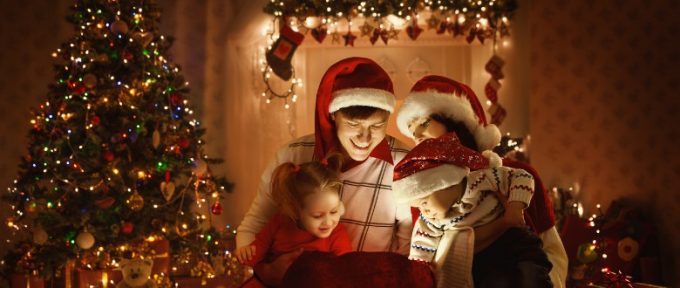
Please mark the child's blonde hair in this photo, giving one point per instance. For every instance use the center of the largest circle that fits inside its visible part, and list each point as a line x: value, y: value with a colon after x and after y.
x: 291, y: 183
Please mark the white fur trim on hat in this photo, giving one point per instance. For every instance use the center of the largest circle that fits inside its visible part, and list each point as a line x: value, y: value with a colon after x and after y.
x: 426, y: 182
x: 494, y: 159
x: 424, y: 104
x: 370, y: 97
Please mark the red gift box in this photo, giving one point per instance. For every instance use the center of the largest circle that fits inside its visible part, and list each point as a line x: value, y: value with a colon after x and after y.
x: 23, y: 281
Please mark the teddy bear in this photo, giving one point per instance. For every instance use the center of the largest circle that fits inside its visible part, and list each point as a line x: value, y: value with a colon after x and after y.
x: 136, y: 273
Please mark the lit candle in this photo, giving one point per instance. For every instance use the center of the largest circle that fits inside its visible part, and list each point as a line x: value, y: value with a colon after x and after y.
x: 105, y: 279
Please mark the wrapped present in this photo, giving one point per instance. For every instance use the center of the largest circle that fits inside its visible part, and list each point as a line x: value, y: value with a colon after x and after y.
x: 161, y: 257
x: 23, y: 281
x: 215, y: 282
x: 84, y: 278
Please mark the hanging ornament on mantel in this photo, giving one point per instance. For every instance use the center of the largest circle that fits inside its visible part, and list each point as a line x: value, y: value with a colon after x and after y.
x: 319, y: 33
x: 494, y: 67
x: 413, y: 31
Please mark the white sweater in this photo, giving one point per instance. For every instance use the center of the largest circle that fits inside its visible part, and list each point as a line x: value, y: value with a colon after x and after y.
x: 374, y: 220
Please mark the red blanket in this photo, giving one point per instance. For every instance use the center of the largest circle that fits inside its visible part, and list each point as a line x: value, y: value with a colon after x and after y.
x: 357, y: 270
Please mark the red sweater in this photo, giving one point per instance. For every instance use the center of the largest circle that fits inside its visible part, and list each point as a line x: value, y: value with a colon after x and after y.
x: 282, y: 235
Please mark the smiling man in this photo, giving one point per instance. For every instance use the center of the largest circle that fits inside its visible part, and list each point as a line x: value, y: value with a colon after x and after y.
x: 353, y: 102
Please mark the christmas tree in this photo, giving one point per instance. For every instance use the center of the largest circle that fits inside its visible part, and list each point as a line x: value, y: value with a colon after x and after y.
x: 115, y: 158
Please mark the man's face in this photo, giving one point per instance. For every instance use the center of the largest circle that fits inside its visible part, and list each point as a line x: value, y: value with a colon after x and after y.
x: 360, y: 136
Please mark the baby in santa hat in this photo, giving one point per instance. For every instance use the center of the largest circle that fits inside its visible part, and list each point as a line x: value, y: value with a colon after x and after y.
x: 455, y: 192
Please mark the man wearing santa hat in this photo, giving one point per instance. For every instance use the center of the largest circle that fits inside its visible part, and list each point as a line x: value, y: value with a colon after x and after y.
x: 437, y: 105
x: 353, y: 103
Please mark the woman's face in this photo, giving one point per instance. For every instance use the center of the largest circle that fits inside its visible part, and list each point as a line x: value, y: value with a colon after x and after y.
x: 424, y: 128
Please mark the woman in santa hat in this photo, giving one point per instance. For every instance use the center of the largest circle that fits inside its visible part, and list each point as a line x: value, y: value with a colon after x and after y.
x: 353, y: 103
x: 437, y: 105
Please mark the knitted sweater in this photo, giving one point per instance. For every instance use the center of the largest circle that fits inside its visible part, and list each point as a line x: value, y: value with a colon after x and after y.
x: 373, y: 219
x: 449, y: 242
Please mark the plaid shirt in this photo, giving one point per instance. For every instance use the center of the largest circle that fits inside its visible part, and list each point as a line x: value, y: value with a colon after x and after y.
x: 374, y: 220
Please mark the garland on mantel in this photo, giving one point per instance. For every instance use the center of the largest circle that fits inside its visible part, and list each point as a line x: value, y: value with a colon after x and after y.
x: 384, y: 19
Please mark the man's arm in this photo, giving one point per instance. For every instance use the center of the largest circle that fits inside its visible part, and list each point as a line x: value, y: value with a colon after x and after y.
x: 263, y: 206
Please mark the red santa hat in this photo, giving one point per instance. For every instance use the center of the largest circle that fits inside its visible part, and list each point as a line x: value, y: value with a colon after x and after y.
x: 454, y: 100
x: 432, y: 165
x: 352, y: 81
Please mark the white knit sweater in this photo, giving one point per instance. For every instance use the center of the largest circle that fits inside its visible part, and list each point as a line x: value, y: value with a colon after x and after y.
x: 449, y: 242
x: 374, y: 220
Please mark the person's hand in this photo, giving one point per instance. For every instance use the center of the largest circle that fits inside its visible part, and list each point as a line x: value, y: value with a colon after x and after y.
x: 245, y: 253
x: 272, y: 273
x: 514, y: 214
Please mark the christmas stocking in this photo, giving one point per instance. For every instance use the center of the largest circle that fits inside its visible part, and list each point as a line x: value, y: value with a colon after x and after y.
x: 282, y: 51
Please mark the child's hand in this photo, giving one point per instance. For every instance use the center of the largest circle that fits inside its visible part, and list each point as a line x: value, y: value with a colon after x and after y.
x: 245, y: 254
x: 514, y: 214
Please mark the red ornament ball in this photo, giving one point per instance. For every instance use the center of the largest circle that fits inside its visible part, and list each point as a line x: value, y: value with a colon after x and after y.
x: 127, y: 228
x: 108, y: 156
x: 216, y: 208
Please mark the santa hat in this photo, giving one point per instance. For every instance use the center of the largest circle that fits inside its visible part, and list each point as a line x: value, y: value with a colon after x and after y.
x: 433, y: 165
x: 350, y: 82
x: 456, y: 101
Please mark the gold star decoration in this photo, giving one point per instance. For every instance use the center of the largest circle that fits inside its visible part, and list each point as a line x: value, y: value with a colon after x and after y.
x: 433, y: 22
x: 366, y: 29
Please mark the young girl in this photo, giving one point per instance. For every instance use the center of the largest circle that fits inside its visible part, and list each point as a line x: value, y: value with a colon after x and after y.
x: 308, y: 197
x: 436, y: 177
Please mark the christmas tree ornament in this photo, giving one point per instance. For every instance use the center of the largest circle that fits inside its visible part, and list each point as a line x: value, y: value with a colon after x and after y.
x: 102, y: 58
x: 135, y: 202
x: 143, y: 38
x: 413, y: 31
x: 349, y: 38
x: 216, y: 208
x: 108, y: 156
x: 319, y: 33
x: 586, y: 253
x: 31, y: 208
x: 127, y: 228
x: 115, y: 229
x: 168, y: 190
x: 95, y: 120
x: 119, y: 27
x: 155, y: 139
x: 85, y: 240
x: 281, y: 53
x: 199, y: 167
x: 40, y: 237
x: 628, y: 248
x: 105, y: 202
x: 90, y: 80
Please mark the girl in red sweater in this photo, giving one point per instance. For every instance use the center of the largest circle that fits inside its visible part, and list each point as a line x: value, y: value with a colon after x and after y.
x: 308, y: 197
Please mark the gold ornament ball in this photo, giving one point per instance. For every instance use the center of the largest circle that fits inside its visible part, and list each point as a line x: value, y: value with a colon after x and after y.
x: 39, y: 236
x: 135, y: 202
x: 199, y: 167
x: 119, y: 27
x: 90, y: 80
x: 85, y: 240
